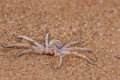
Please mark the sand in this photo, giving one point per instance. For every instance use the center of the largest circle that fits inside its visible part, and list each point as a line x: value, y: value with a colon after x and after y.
x: 95, y: 22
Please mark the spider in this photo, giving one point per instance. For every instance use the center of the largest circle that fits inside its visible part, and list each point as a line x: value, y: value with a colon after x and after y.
x: 54, y: 47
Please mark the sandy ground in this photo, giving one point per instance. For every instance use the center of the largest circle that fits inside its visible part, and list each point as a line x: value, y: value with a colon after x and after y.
x: 95, y: 22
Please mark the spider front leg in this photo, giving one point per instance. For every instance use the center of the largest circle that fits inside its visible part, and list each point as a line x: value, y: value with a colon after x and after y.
x: 30, y: 40
x: 23, y: 52
x: 26, y: 46
x: 31, y: 49
x: 17, y: 45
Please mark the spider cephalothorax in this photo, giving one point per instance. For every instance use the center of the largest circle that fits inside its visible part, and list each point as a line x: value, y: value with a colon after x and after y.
x: 54, y: 47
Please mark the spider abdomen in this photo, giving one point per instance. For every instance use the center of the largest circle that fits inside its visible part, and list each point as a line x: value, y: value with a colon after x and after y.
x: 57, y: 43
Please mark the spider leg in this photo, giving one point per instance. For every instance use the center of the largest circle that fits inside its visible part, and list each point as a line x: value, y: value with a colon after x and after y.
x: 76, y: 54
x: 23, y: 52
x: 79, y: 48
x: 71, y: 43
x: 32, y: 49
x: 38, y: 50
x: 60, y: 62
x: 30, y: 40
x: 47, y: 42
x: 83, y: 56
x: 17, y: 45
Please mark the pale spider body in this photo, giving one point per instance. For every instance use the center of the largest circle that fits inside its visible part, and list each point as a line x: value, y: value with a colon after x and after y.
x: 54, y: 47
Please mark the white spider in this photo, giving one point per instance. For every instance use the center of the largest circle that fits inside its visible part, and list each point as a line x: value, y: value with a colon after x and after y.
x: 54, y: 47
